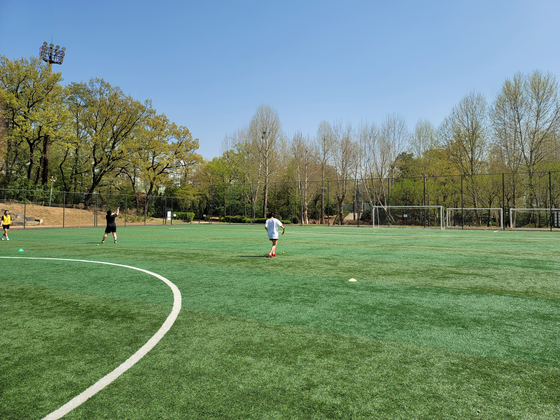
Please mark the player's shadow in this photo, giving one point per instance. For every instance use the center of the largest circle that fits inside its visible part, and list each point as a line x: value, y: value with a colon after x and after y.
x: 253, y: 256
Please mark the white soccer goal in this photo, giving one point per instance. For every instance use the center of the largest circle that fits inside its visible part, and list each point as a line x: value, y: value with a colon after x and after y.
x: 418, y: 216
x: 476, y: 217
x: 533, y: 218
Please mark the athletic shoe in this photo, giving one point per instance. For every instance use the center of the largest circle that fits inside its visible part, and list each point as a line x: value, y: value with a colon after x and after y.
x: 2, y: 238
x: 7, y: 238
x: 273, y: 254
x: 270, y: 255
x: 102, y: 242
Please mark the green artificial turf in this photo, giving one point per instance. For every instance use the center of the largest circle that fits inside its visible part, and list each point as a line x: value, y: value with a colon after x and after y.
x: 440, y: 324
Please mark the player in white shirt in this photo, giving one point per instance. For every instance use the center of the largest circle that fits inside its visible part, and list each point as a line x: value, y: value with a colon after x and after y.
x: 271, y: 226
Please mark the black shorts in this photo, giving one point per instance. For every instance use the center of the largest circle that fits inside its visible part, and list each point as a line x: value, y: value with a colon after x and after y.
x: 110, y: 229
x: 6, y: 227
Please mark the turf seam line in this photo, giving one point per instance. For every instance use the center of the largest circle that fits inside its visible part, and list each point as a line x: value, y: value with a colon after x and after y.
x: 131, y: 361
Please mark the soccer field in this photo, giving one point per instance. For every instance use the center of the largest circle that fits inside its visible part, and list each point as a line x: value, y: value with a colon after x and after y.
x: 440, y: 324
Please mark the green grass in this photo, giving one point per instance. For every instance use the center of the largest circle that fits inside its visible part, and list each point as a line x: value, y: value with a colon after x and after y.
x: 440, y: 324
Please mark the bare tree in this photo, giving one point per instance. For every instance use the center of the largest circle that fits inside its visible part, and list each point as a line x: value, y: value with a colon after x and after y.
x: 393, y: 140
x: 249, y: 166
x: 369, y: 146
x: 526, y: 122
x: 465, y: 135
x: 304, y: 164
x: 423, y: 142
x: 344, y: 159
x: 380, y: 149
x: 323, y: 146
x: 265, y: 136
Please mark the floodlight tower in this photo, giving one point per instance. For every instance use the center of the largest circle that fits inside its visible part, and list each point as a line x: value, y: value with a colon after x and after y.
x: 52, y: 55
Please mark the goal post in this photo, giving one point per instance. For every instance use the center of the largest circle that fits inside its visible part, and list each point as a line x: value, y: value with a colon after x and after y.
x: 520, y: 218
x: 475, y: 216
x: 413, y: 216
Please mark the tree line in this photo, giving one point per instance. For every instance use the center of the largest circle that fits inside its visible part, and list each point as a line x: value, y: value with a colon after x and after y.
x: 517, y: 134
x: 85, y: 137
x: 91, y: 137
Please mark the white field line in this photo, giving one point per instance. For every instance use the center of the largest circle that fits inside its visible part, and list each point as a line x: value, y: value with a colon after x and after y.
x: 107, y: 379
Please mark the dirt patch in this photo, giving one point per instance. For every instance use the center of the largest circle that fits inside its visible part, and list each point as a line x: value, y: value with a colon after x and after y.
x: 67, y: 217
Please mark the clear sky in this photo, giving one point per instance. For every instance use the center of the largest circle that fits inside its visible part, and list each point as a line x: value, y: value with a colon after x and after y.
x: 208, y: 65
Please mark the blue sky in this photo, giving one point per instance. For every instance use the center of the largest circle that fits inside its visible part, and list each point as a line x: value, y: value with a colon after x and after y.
x: 208, y: 65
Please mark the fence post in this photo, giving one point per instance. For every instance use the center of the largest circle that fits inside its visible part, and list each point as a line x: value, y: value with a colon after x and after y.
x: 357, y: 202
x: 388, y: 202
x: 462, y: 206
x: 294, y: 206
x: 424, y: 203
x: 550, y: 195
x: 96, y: 210
x: 244, y: 201
x: 24, y: 207
x: 503, y: 202
x: 328, y: 203
x: 322, y: 200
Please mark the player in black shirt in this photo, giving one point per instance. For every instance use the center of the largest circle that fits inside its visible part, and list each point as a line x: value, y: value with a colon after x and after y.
x: 111, y: 225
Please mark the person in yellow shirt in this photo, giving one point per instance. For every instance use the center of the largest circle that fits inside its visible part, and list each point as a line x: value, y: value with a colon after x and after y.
x: 6, y: 221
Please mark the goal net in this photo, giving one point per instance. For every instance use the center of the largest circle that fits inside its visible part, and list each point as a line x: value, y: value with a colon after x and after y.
x: 413, y: 216
x: 475, y: 217
x: 533, y: 218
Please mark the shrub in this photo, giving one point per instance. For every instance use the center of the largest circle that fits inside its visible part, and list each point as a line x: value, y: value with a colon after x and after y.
x: 186, y: 216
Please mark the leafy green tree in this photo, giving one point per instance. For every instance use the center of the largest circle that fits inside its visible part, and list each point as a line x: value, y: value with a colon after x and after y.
x: 157, y: 150
x: 35, y: 117
x: 220, y: 175
x: 74, y: 159
x: 108, y: 121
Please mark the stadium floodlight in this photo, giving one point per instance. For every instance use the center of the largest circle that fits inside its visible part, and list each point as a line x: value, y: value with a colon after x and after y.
x: 408, y: 213
x: 52, y: 54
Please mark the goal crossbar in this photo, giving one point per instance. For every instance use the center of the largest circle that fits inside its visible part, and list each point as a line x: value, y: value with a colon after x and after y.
x: 450, y: 210
x: 375, y: 212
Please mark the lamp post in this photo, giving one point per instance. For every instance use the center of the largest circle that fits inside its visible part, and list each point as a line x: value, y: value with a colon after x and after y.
x: 53, y: 55
x: 53, y: 179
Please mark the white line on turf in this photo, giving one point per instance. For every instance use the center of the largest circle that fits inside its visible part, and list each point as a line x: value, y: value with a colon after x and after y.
x: 107, y: 379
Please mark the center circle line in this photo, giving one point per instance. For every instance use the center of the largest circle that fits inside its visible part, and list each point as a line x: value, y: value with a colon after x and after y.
x: 131, y: 361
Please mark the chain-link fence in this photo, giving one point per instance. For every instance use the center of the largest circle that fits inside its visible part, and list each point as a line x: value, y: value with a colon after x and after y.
x: 481, y: 201
x: 31, y: 208
x: 516, y: 201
